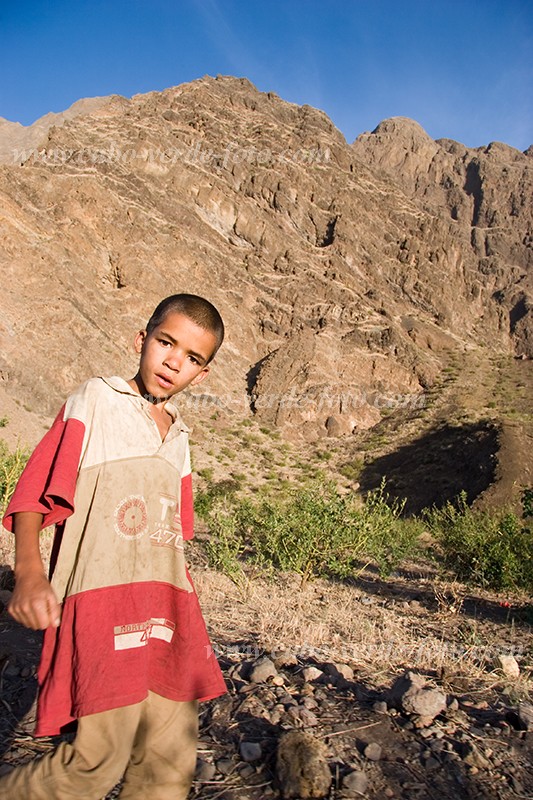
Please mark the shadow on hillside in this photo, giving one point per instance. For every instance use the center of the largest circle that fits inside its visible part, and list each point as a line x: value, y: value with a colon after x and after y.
x: 436, y: 467
x: 472, y: 606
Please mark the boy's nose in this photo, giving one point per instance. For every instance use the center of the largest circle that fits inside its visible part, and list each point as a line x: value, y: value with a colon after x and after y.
x: 174, y: 361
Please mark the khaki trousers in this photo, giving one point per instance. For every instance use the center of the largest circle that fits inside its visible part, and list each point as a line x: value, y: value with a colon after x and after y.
x: 151, y: 744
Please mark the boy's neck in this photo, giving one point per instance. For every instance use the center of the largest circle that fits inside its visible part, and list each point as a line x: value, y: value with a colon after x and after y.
x: 138, y: 386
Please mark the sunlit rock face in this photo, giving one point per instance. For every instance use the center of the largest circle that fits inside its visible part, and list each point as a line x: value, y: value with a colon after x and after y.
x: 344, y: 272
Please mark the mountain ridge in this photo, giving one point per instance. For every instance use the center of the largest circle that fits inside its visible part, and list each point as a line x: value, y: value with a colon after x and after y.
x: 347, y: 274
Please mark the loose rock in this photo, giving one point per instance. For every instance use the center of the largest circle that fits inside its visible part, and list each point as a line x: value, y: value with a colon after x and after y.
x: 472, y: 756
x: 372, y: 751
x: 285, y: 659
x: 225, y: 766
x: 411, y: 694
x: 262, y: 670
x: 246, y: 771
x: 204, y: 770
x: 308, y: 718
x: 277, y: 713
x: 250, y: 751
x: 311, y: 673
x: 355, y: 782
x: 525, y: 716
x: 336, y: 670
x: 508, y: 665
x: 302, y: 769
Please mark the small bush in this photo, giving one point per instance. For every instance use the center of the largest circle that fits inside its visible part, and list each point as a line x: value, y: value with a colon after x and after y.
x: 225, y: 544
x: 324, y: 455
x: 493, y: 549
x: 205, y: 499
x: 352, y: 469
x: 312, y: 531
x: 390, y: 537
x: 225, y: 451
x: 527, y: 503
x: 11, y: 466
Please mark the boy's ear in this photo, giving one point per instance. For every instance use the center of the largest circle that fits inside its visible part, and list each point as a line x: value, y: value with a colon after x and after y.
x: 201, y: 375
x: 139, y: 340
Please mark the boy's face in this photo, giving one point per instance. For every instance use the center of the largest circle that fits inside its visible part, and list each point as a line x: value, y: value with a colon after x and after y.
x: 173, y: 356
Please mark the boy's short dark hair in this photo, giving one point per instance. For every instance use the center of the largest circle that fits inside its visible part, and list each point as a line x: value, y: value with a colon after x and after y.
x: 197, y: 309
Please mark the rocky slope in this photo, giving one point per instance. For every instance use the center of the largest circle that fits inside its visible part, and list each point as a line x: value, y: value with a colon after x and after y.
x: 348, y: 275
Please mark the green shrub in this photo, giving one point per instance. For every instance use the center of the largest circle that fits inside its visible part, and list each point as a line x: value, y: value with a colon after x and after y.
x: 352, y: 469
x: 389, y: 537
x: 11, y: 466
x: 225, y: 451
x: 312, y: 531
x: 205, y: 499
x: 527, y: 502
x: 225, y: 544
x: 324, y: 455
x: 493, y: 549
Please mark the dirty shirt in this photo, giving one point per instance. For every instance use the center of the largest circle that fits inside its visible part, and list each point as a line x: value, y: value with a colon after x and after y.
x: 121, y: 500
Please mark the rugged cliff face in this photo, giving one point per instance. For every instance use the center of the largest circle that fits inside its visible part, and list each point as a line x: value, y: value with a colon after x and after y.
x: 488, y: 192
x: 346, y: 274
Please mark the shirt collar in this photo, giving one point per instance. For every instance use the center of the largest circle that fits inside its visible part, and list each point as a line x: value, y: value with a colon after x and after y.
x: 121, y: 385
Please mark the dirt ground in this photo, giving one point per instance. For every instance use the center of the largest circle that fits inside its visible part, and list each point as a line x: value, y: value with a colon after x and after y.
x: 380, y: 629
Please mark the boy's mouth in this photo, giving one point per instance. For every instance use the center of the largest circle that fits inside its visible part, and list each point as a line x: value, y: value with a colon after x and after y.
x: 164, y: 382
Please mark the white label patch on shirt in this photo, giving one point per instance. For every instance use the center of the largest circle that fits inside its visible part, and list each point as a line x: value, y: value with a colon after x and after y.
x: 138, y: 633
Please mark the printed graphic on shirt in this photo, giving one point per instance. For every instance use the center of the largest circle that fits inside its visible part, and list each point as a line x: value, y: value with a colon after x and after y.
x: 131, y: 517
x: 168, y: 532
x: 137, y: 634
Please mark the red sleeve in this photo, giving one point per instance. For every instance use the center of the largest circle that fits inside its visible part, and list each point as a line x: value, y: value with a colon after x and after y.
x: 186, y: 508
x: 48, y: 482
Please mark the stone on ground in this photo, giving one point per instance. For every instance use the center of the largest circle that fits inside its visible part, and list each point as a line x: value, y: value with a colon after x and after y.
x: 302, y: 769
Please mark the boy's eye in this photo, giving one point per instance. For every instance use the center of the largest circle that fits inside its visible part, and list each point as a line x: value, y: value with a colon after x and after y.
x: 165, y: 343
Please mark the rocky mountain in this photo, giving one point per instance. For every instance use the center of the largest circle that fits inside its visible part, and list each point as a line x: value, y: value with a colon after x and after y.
x: 17, y: 140
x: 347, y: 274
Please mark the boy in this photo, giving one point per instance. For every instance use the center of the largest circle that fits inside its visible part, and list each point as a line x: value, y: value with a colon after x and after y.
x: 125, y: 651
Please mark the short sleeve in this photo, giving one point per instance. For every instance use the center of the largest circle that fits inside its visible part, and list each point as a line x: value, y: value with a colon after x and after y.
x: 48, y: 482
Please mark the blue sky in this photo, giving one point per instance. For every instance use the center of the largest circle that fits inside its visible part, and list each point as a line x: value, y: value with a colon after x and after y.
x: 462, y: 69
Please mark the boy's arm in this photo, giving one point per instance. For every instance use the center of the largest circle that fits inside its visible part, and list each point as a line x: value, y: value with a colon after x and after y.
x: 34, y: 603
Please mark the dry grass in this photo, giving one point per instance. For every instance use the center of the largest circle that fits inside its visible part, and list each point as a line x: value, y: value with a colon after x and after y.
x: 377, y: 636
x: 7, y: 547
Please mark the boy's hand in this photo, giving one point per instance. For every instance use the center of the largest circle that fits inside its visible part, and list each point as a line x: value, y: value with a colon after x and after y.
x: 34, y: 603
